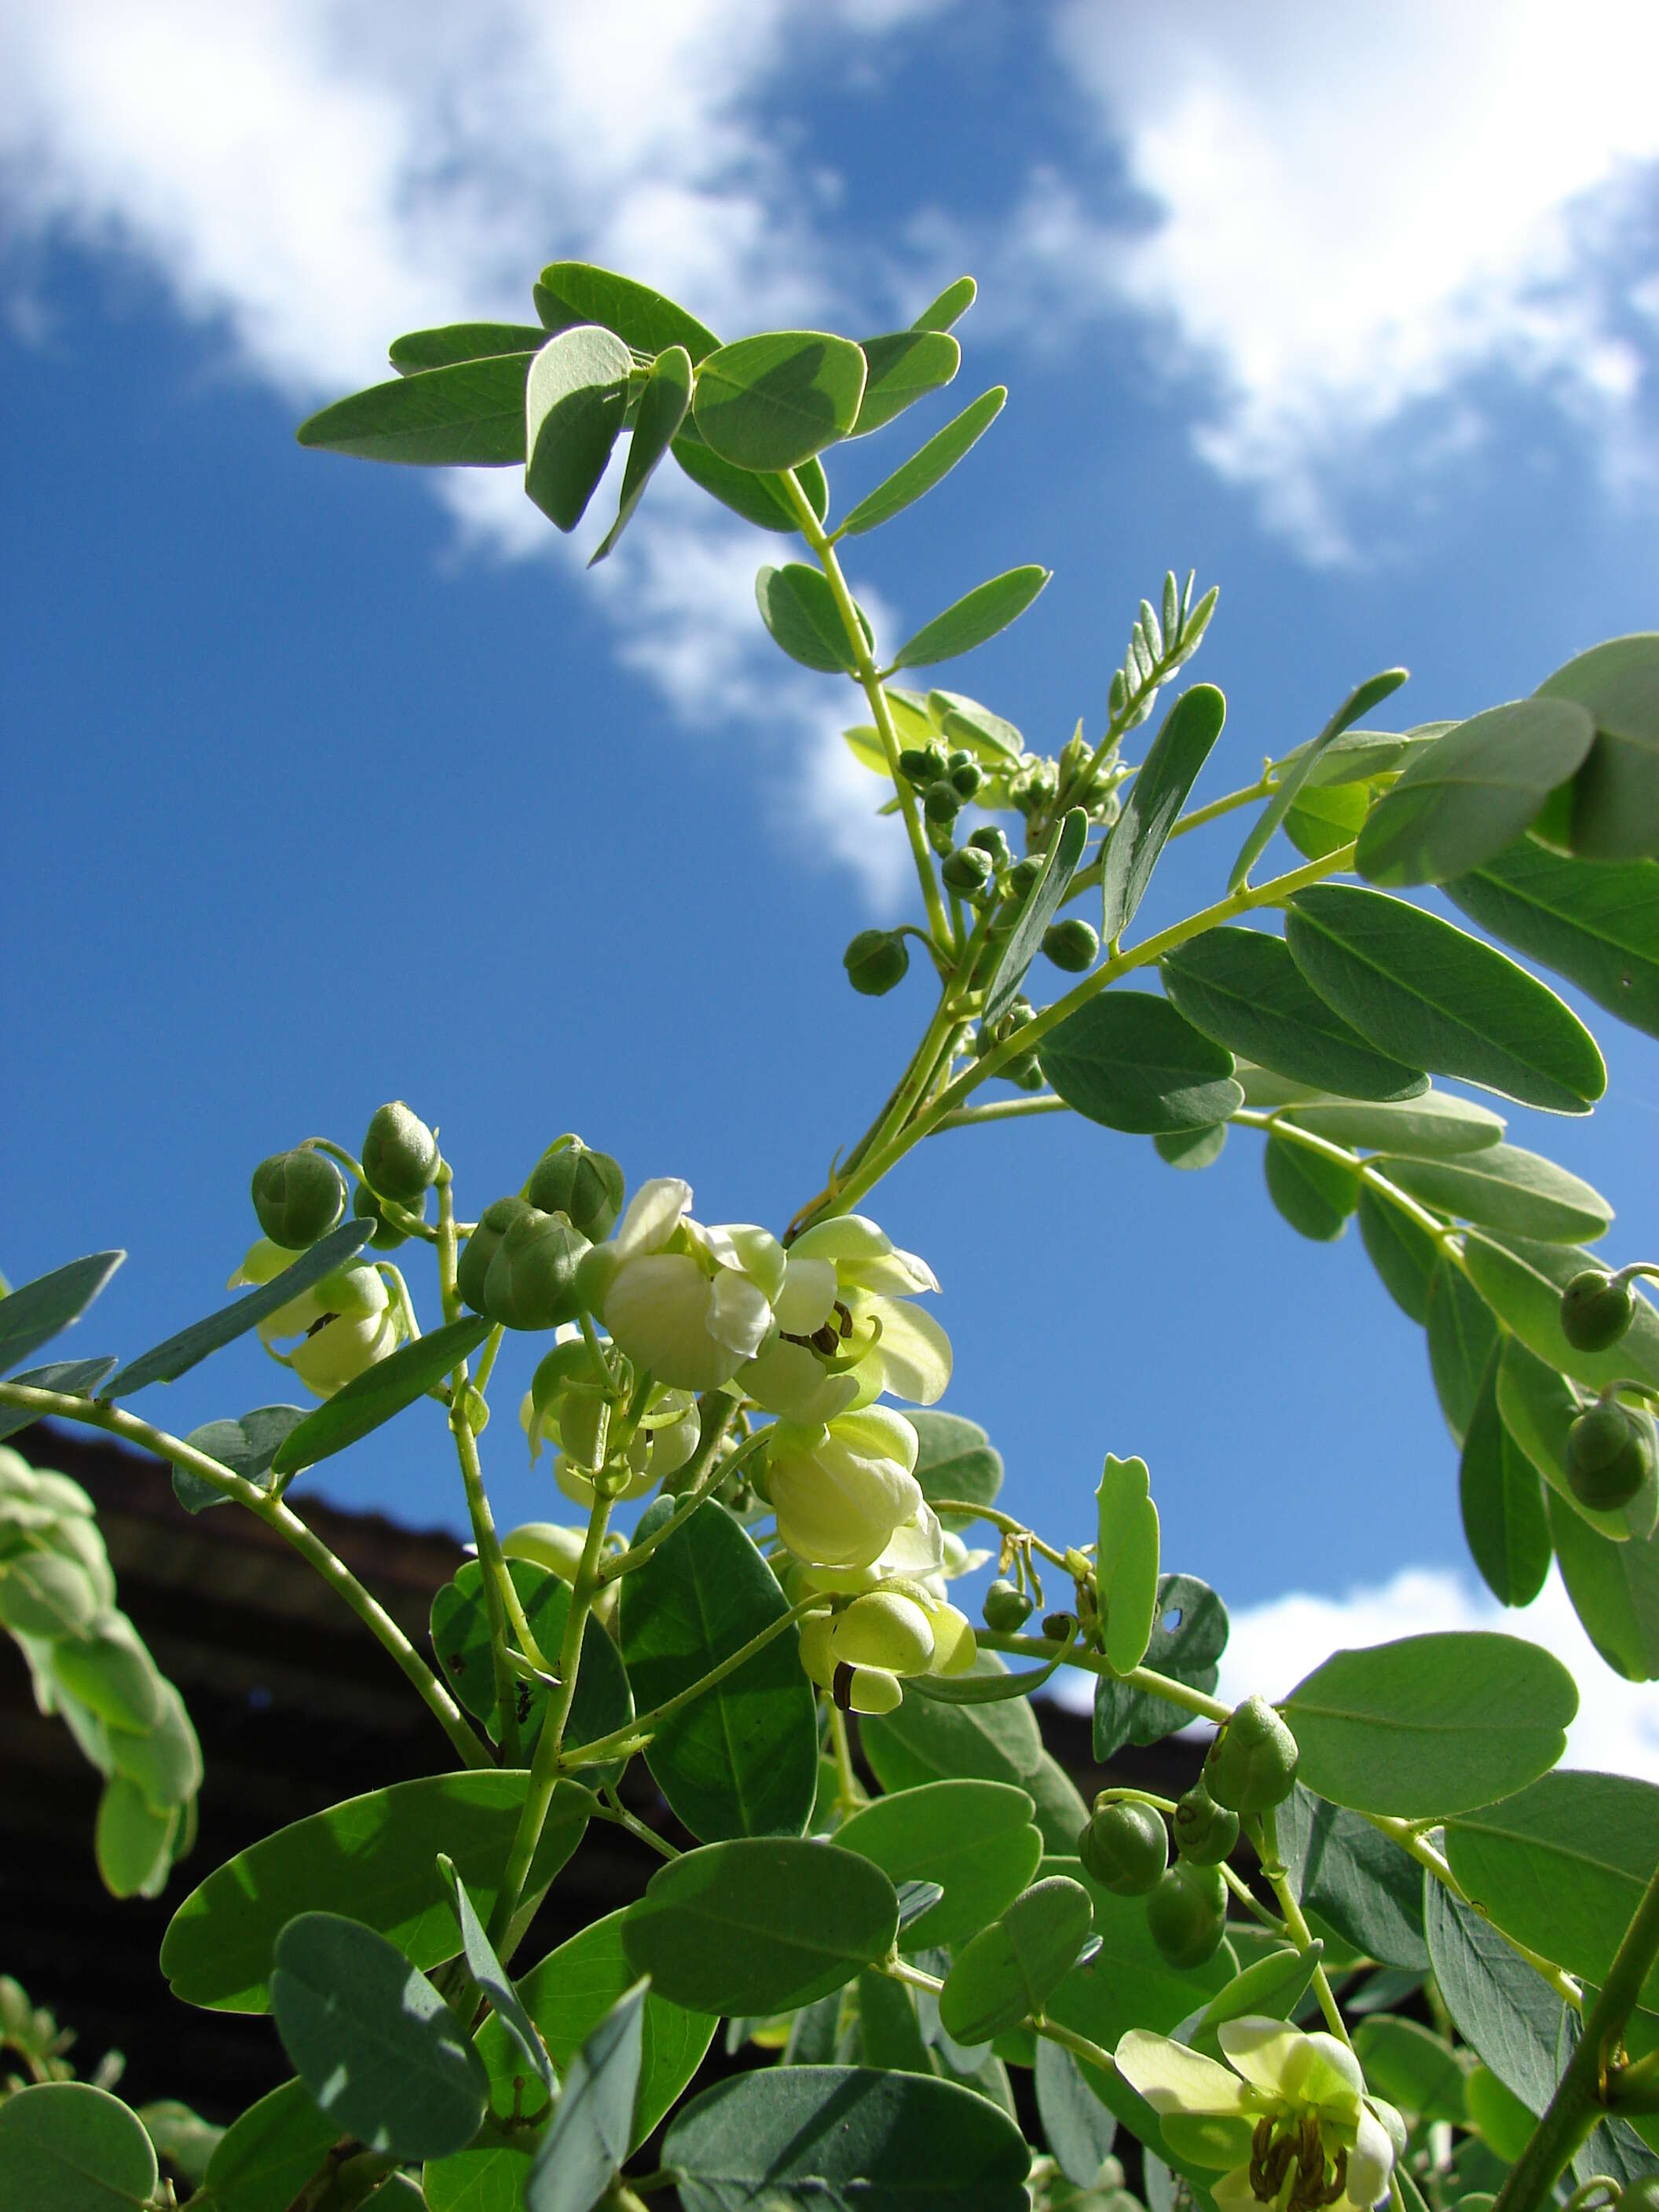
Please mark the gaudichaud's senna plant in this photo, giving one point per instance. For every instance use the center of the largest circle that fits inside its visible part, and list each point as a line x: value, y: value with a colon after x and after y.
x: 1382, y: 1949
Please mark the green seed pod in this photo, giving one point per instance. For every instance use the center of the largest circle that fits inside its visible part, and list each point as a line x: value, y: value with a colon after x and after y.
x: 1609, y: 1456
x: 481, y: 1246
x: 1025, y: 1072
x: 965, y: 778
x: 1204, y: 1831
x: 1596, y: 1310
x: 1125, y: 1848
x: 400, y: 1154
x: 920, y: 765
x: 298, y: 1196
x: 1072, y: 945
x: 1007, y: 1607
x: 1187, y: 1913
x: 1022, y: 877
x: 531, y: 1281
x: 991, y: 840
x: 942, y: 801
x: 876, y: 961
x: 366, y: 1207
x: 585, y: 1186
x: 1252, y: 1762
x: 967, y: 872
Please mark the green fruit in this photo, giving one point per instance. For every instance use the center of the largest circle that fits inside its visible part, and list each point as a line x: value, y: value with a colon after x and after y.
x: 1007, y: 1607
x: 920, y: 765
x: 531, y: 1281
x: 967, y: 872
x: 298, y: 1196
x: 1596, y: 1310
x: 876, y: 961
x: 1022, y: 877
x: 965, y: 778
x: 400, y: 1154
x: 481, y: 1246
x: 1609, y: 1456
x: 1252, y: 1762
x: 989, y: 839
x: 366, y: 1207
x: 1204, y: 1831
x: 1187, y: 1913
x: 585, y: 1186
x: 1125, y: 1849
x: 1072, y: 944
x: 942, y: 802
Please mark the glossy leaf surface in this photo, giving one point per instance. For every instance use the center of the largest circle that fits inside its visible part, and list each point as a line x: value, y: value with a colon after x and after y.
x: 771, y: 402
x: 974, y: 618
x: 974, y: 1838
x: 928, y: 465
x: 469, y: 414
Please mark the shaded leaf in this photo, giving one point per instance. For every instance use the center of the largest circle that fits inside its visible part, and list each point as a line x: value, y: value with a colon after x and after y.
x: 248, y: 1446
x: 1595, y: 922
x: 571, y: 292
x: 974, y: 1837
x: 370, y: 1399
x: 70, y: 2146
x: 1615, y: 796
x: 1614, y: 1588
x: 1461, y: 801
x: 903, y: 366
x: 1189, y: 1634
x: 264, y: 2159
x: 70, y: 1378
x: 460, y: 1636
x: 1538, y: 1407
x: 1153, y: 802
x: 1522, y: 1281
x: 487, y: 1971
x: 922, y: 1742
x: 592, y: 2123
x: 1356, y: 1881
x: 35, y: 1312
x: 662, y: 406
x: 977, y: 616
x: 1402, y: 1252
x: 956, y: 1459
x: 1502, y: 1187
x: 470, y: 415
x: 760, y: 499
x: 1080, y: 2128
x: 458, y: 342
x: 1439, y: 1125
x: 1042, y: 904
x: 1131, y: 1061
x: 1295, y: 771
x: 951, y: 305
x: 912, y: 479
x: 798, y: 608
x: 574, y: 402
x: 770, y: 402
x: 1314, y: 1193
x: 1011, y: 1968
x: 1501, y: 2008
x: 1502, y: 1498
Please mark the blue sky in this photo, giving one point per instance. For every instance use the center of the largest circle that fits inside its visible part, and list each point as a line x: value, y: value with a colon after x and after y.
x: 329, y: 783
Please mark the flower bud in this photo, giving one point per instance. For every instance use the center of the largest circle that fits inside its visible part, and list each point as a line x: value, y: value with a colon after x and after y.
x: 942, y: 801
x: 965, y: 777
x: 1596, y: 1310
x: 298, y: 1196
x: 347, y: 1339
x: 920, y: 765
x: 992, y: 843
x: 867, y: 1689
x: 1072, y: 944
x: 841, y: 1491
x: 481, y: 1246
x: 531, y: 1281
x: 816, y: 1656
x: 955, y: 1649
x: 1022, y: 877
x: 366, y: 1207
x: 883, y: 1630
x: 1609, y: 1456
x: 1187, y: 1913
x: 1007, y: 1607
x: 400, y: 1154
x: 1204, y: 1831
x: 967, y: 872
x: 1124, y: 1847
x: 1252, y: 1762
x: 876, y: 961
x: 585, y: 1186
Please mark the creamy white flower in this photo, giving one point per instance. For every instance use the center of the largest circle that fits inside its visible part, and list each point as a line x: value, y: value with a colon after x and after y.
x: 687, y: 1304
x: 844, y: 1330
x: 343, y: 1324
x: 840, y: 1491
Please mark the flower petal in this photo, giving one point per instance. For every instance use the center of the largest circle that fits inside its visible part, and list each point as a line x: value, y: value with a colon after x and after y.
x: 654, y: 1213
x: 789, y: 1381
x: 913, y: 1352
x: 1173, y: 2079
x: 807, y: 1296
x: 1265, y: 2051
x: 1370, y: 2162
x: 657, y: 1309
x: 1209, y: 2138
x: 739, y: 1314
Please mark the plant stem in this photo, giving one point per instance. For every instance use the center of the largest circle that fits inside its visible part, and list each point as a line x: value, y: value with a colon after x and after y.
x: 288, y: 1525
x: 901, y: 1970
x: 847, y: 1783
x: 710, y: 1472
x: 1369, y: 1171
x: 1273, y: 1866
x: 1002, y: 1110
x: 1139, y: 1678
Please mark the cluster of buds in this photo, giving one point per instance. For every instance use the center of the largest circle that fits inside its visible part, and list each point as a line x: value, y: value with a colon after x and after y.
x: 1022, y: 1068
x: 606, y: 1437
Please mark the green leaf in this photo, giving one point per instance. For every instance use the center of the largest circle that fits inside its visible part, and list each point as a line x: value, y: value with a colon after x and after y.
x: 1011, y: 1968
x: 1242, y: 987
x: 1315, y: 1194
x: 1437, y: 998
x: 1295, y: 771
x: 1321, y: 822
x: 1437, y: 1125
x: 370, y: 1399
x: 469, y: 414
x: 760, y: 1925
x: 571, y: 292
x: 574, y: 402
x: 802, y: 2138
x: 985, y: 1682
x: 770, y: 402
x: 798, y: 608
x: 974, y: 1838
x: 263, y: 2160
x: 1614, y: 1588
x: 458, y: 342
x: 133, y: 1839
x: 1192, y: 1148
x: 376, y: 1857
x: 1595, y: 922
x: 761, y: 500
x: 487, y: 1971
x: 903, y: 366
x: 373, y: 2040
x: 1128, y: 1983
x: 922, y: 1742
x: 1416, y: 2071
x: 35, y: 1312
x: 951, y: 305
x: 1561, y: 1867
x: 970, y: 620
x: 72, y: 1378
x: 1362, y: 756
x: 1079, y: 2129
x: 248, y: 1446
x: 1507, y: 1189
x: 1042, y: 904
x: 1501, y: 2008
x: 167, y: 1361
x: 592, y: 2123
x: 662, y: 406
x: 1522, y: 1281
x: 1538, y: 1407
x: 1402, y: 1252
x: 995, y: 743
x: 460, y: 1636
x: 1154, y: 800
x: 956, y: 1459
x: 1355, y: 1880
x: 743, y: 1759
x: 1126, y: 1563
x: 912, y: 479
x: 1272, y: 1989
x: 1131, y: 1061
x: 1431, y: 1723
x: 1461, y: 801
x: 67, y: 2147
x: 1615, y: 797
x: 1189, y: 1634
x: 1503, y: 1501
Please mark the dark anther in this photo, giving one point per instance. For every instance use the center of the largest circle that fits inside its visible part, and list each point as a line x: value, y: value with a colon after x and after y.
x: 841, y: 1687
x: 845, y: 1318
x: 827, y: 1338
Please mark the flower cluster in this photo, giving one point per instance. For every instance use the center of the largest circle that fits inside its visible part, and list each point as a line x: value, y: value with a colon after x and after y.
x: 342, y: 1325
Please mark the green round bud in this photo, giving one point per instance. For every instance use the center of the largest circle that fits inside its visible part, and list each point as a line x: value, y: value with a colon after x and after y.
x: 1187, y: 1913
x: 965, y: 777
x: 1596, y: 1310
x: 1025, y: 1072
x: 1007, y: 1607
x: 388, y: 1235
x: 400, y: 1154
x: 1022, y: 877
x: 1072, y: 945
x: 586, y: 1186
x: 967, y: 872
x: 876, y: 961
x: 298, y: 1196
x: 1609, y: 1456
x: 920, y: 765
x: 1252, y: 1762
x: 1204, y: 1831
x: 988, y: 838
x: 1125, y: 1848
x: 481, y: 1246
x: 531, y: 1281
x: 942, y: 802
